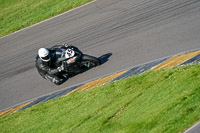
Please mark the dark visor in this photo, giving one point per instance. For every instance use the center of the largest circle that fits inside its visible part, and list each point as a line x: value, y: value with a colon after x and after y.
x: 45, y: 58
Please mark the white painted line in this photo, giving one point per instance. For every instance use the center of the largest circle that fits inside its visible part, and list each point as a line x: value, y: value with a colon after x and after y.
x: 49, y: 18
x: 188, y: 130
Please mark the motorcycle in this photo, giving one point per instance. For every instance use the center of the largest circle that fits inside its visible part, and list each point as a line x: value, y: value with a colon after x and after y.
x: 74, y: 61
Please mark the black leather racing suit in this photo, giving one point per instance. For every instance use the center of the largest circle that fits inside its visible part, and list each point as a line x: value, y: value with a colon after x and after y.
x: 49, y: 70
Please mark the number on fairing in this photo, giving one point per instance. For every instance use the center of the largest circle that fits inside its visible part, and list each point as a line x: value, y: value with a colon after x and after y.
x: 69, y: 53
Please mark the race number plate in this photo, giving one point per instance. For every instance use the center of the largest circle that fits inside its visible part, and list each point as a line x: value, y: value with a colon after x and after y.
x: 69, y: 53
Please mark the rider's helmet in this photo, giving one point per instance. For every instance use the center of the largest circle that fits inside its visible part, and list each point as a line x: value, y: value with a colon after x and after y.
x: 44, y: 54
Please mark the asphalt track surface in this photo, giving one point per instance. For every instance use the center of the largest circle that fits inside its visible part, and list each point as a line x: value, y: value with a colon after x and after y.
x: 122, y: 34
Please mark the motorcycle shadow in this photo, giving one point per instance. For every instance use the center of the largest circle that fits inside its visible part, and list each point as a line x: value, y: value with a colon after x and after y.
x: 103, y: 59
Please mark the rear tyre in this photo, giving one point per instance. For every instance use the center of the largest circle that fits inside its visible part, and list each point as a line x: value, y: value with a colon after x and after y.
x: 90, y: 61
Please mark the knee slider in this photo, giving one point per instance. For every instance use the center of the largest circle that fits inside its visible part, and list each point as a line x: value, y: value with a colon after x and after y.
x: 57, y: 81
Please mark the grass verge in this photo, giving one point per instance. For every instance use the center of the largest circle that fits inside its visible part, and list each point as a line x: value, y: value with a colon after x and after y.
x: 167, y: 100
x: 18, y: 14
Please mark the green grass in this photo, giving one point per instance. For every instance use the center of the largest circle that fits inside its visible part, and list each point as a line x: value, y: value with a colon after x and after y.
x: 18, y: 14
x: 166, y: 100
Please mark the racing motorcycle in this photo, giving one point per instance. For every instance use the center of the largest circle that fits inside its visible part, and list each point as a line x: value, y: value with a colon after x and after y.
x: 74, y: 61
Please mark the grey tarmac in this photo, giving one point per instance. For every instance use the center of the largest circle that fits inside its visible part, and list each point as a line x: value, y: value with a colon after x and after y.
x: 133, y: 31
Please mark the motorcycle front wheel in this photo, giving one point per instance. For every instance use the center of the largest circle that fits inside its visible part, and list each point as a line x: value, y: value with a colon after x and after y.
x: 90, y: 61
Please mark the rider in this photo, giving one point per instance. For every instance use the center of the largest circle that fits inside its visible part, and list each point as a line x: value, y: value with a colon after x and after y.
x: 48, y: 65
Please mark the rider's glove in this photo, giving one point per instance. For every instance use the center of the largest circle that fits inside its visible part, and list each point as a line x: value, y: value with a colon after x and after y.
x: 61, y: 68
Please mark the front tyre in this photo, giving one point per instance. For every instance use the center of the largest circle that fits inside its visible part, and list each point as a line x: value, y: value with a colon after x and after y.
x: 90, y: 61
